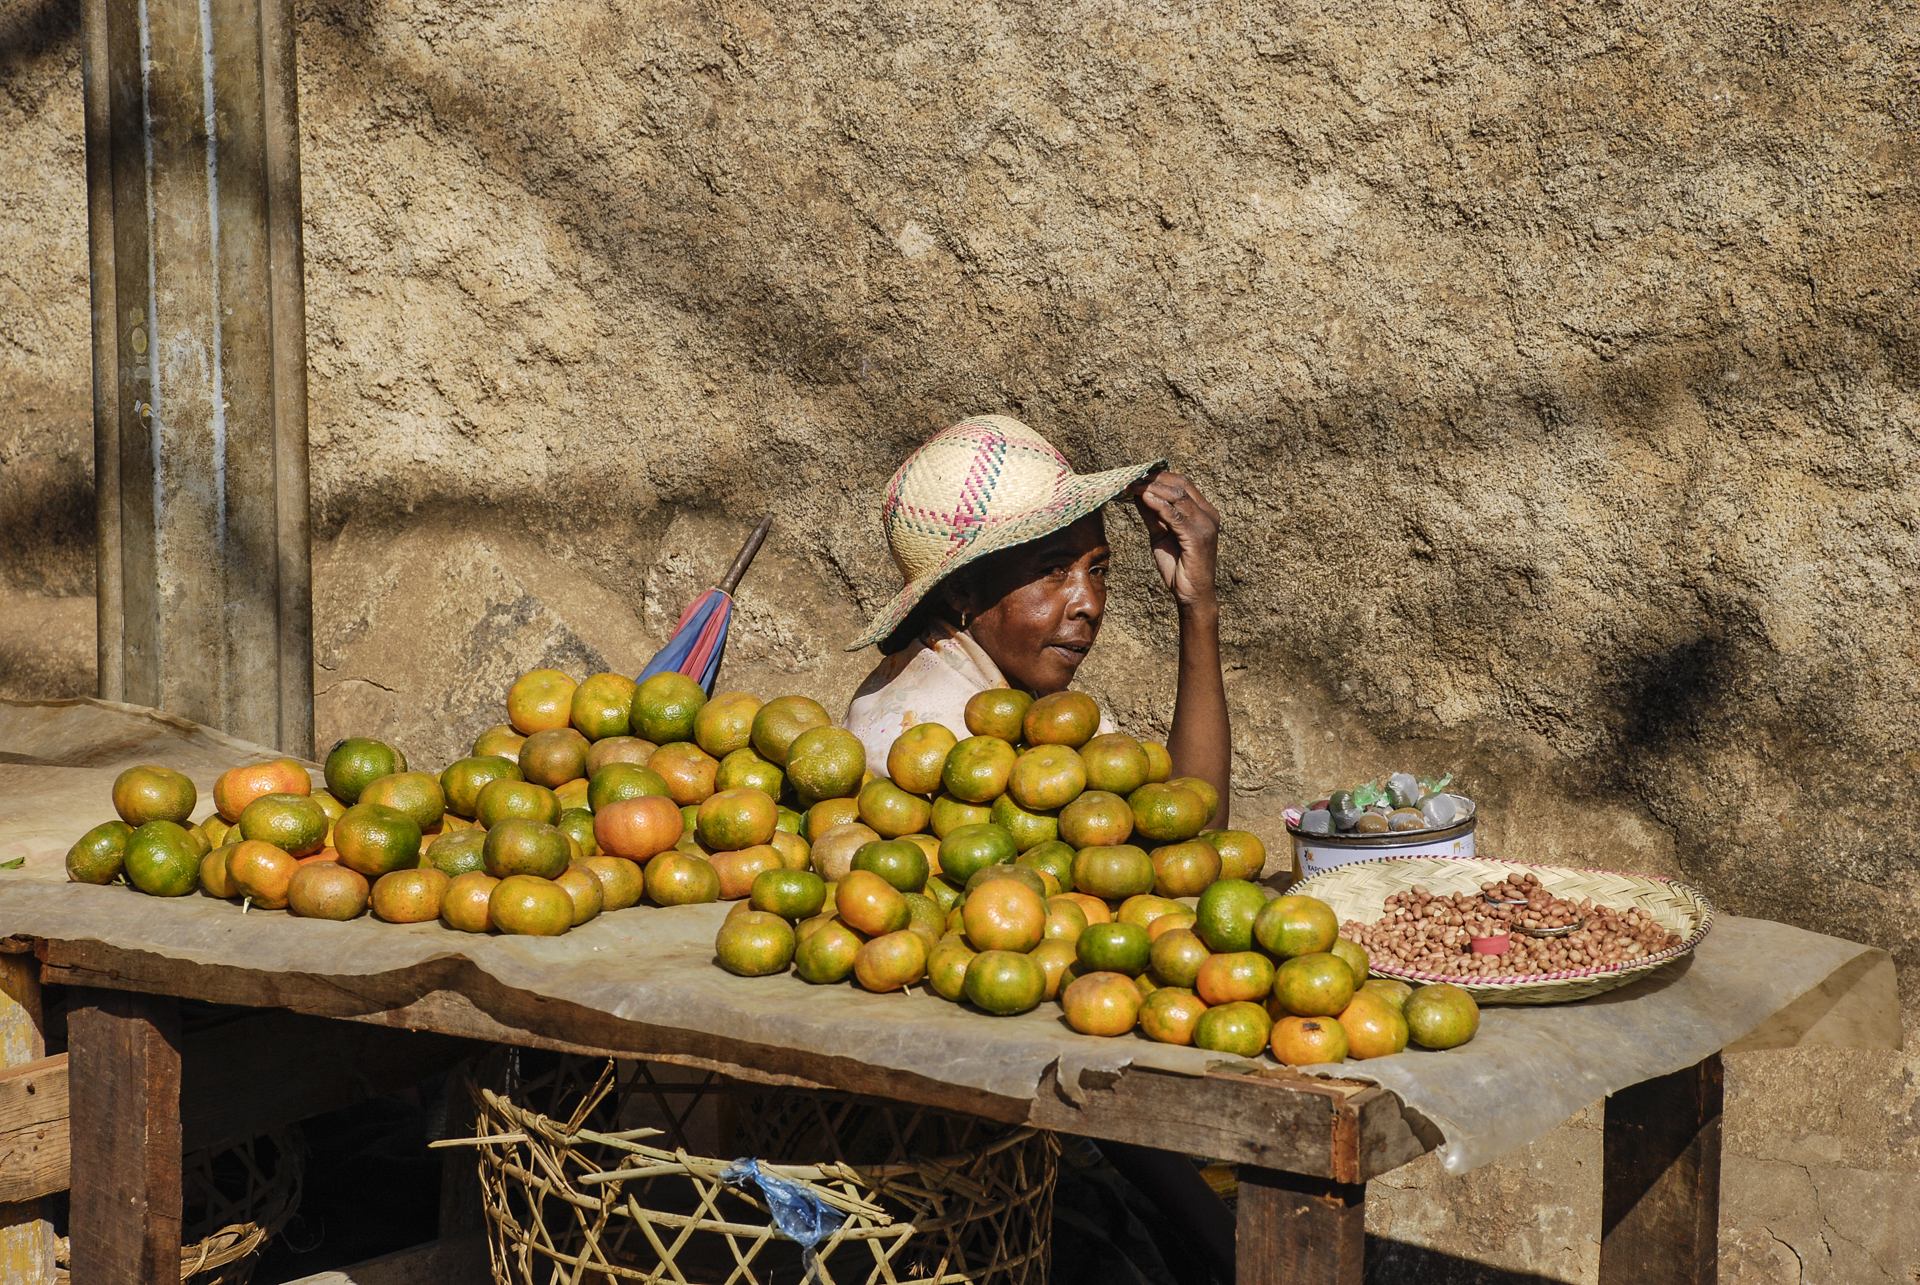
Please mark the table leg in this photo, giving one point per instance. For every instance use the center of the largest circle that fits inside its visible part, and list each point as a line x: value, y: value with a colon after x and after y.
x: 124, y: 1091
x: 1660, y: 1185
x: 1295, y: 1230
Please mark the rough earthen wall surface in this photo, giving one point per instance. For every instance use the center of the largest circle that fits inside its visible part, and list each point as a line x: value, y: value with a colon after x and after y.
x: 1553, y: 365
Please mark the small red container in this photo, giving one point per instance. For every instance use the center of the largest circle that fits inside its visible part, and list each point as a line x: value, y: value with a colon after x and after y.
x: 1492, y: 945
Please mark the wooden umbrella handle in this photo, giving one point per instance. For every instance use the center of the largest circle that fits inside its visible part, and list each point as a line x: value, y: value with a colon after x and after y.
x: 731, y: 581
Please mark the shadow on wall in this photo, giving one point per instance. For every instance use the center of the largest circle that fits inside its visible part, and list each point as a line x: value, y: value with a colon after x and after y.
x: 1394, y: 1262
x: 31, y: 30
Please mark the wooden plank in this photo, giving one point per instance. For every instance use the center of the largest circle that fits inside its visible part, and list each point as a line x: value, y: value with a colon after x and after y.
x: 125, y: 1088
x: 33, y: 1133
x: 1660, y: 1181
x: 34, y: 1148
x: 455, y: 1260
x: 1298, y: 1230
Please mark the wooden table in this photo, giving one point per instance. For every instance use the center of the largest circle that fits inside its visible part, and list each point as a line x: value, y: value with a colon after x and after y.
x: 142, y: 1090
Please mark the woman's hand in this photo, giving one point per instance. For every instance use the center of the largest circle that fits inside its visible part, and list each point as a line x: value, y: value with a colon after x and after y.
x: 1183, y: 530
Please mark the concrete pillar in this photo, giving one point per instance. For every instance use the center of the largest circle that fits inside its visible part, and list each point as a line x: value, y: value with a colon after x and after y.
x: 200, y: 362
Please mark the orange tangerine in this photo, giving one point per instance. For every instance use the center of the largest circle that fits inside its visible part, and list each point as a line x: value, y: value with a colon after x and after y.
x: 1242, y: 854
x: 779, y: 723
x: 584, y: 887
x: 869, y: 903
x: 689, y: 771
x: 213, y: 872
x: 1114, y: 872
x: 1029, y: 829
x: 239, y: 786
x: 410, y: 896
x: 1096, y: 819
x: 947, y: 967
x: 918, y: 756
x: 1047, y: 777
x: 833, y: 852
x: 1066, y: 920
x: 754, y: 944
x: 738, y: 869
x: 969, y: 849
x: 901, y: 864
x: 826, y: 763
x: 829, y: 813
x: 891, y: 961
x: 618, y: 749
x: 1240, y: 1028
x: 621, y: 883
x: 725, y: 723
x: 1317, y: 985
x: 1185, y: 869
x: 554, y: 757
x: 1096, y: 909
x: 1204, y: 789
x: 529, y: 906
x: 291, y: 822
x: 1101, y: 1003
x: 795, y: 853
x: 1051, y: 858
x: 1113, y: 948
x: 1308, y: 1041
x: 418, y: 794
x: 1167, y: 813
x: 678, y: 879
x: 1390, y: 989
x: 1353, y: 955
x: 1176, y: 958
x: 1004, y: 914
x: 163, y: 860
x: 1374, y: 1027
x: 577, y: 825
x: 1159, y: 762
x: 638, y: 828
x: 890, y: 810
x: 499, y: 800
x: 1162, y: 924
x: 1062, y: 718
x: 518, y: 846
x: 977, y: 769
x: 143, y: 794
x: 260, y: 872
x: 1169, y: 1015
x: 735, y: 819
x: 603, y: 706
x: 498, y: 741
x: 466, y: 905
x: 1237, y: 975
x: 998, y: 712
x: 826, y: 955
x: 1288, y: 926
x: 461, y: 783
x: 949, y: 814
x: 791, y: 894
x: 328, y: 890
x: 372, y: 839
x: 743, y: 768
x: 1441, y: 1016
x: 1056, y: 963
x: 1226, y: 914
x: 1115, y: 764
x: 617, y: 781
x: 1004, y: 982
x: 540, y: 700
x: 1146, y: 909
x: 665, y: 707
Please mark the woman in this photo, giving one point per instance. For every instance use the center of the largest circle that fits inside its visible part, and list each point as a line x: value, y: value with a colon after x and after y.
x: 1004, y: 551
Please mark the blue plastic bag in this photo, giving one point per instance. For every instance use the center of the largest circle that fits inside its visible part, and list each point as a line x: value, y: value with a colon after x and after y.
x: 798, y: 1214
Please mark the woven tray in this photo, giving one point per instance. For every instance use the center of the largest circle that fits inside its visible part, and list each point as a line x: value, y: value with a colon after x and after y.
x: 1359, y: 890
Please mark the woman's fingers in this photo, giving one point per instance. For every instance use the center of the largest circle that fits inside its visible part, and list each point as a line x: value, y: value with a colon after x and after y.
x: 1183, y: 529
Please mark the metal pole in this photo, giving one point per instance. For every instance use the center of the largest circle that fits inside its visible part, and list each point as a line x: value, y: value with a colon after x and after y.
x: 210, y: 356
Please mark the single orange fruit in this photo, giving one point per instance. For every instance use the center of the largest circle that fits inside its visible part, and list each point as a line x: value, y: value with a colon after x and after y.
x: 328, y: 890
x: 1163, y: 924
x: 1390, y: 989
x: 826, y: 763
x: 529, y: 906
x: 1240, y: 1028
x: 1308, y: 1041
x: 1100, y: 1003
x: 1240, y: 974
x: 725, y: 723
x: 1066, y: 920
x: 997, y: 712
x: 1115, y: 764
x: 1098, y: 912
x: 518, y: 846
x: 677, y: 879
x: 577, y: 824
x: 949, y: 814
x: 638, y: 828
x: 1441, y: 1016
x: 466, y: 905
x: 1005, y: 982
x: 829, y: 813
x: 1113, y: 948
x: 869, y: 903
x: 743, y: 769
x: 1055, y: 958
x: 1242, y: 855
x: 461, y: 783
x: 603, y: 706
x: 554, y: 757
x: 539, y: 701
x: 890, y: 810
x: 1047, y: 777
x: 373, y: 839
x: 795, y: 853
x: 1052, y: 858
x: 619, y: 749
x: 418, y: 794
x: 1374, y: 1027
x: 735, y: 819
x: 1146, y: 909
x: 583, y: 886
x: 947, y: 967
x: 498, y: 741
x: 826, y: 955
x: 1185, y: 869
x: 754, y: 944
x: 1226, y: 914
x: 665, y: 707
x: 1354, y: 956
x: 163, y: 860
x: 833, y: 852
x: 738, y: 869
x: 969, y: 849
x: 891, y: 961
x: 213, y: 872
x: 292, y: 822
x: 977, y: 769
x: 1204, y: 789
x: 1289, y: 926
x: 260, y: 872
x: 1096, y: 819
x: 1114, y: 872
x: 900, y: 863
x: 1029, y: 829
x: 1004, y: 914
x: 689, y: 771
x: 1176, y: 958
x: 239, y: 786
x: 1170, y: 1014
x: 779, y: 723
x: 1159, y: 762
x: 502, y: 799
x: 143, y: 794
x: 410, y: 896
x: 1167, y: 813
x: 617, y: 781
x: 1062, y: 718
x: 918, y: 756
x: 1317, y: 985
x: 791, y: 894
x: 621, y: 883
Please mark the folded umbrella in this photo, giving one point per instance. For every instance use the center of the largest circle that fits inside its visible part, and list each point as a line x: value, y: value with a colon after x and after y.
x: 701, y: 636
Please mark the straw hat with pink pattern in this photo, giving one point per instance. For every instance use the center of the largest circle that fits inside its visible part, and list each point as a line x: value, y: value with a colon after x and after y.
x: 985, y: 484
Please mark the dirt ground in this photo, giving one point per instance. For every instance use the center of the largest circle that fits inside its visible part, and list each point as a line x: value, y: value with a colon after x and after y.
x: 1553, y: 367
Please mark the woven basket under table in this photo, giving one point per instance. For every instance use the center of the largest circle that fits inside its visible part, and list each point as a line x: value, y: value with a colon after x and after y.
x: 573, y: 1194
x: 1359, y: 890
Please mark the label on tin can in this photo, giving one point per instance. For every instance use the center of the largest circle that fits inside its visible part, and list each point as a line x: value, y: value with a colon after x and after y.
x: 1317, y: 859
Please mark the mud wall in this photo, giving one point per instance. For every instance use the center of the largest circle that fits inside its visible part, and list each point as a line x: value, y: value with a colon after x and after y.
x: 1554, y: 368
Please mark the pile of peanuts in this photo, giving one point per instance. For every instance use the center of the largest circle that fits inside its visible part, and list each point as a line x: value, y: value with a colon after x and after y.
x: 1429, y: 933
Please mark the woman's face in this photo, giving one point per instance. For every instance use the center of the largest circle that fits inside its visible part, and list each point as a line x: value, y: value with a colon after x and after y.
x: 1036, y: 608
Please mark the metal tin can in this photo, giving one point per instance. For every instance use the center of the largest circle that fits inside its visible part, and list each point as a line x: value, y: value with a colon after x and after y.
x: 1319, y: 853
